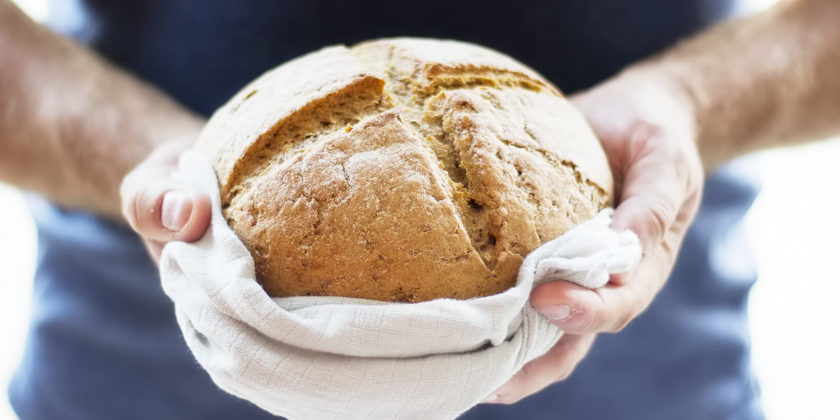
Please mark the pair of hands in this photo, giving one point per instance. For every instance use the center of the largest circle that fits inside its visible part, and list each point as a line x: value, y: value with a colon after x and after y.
x: 646, y: 125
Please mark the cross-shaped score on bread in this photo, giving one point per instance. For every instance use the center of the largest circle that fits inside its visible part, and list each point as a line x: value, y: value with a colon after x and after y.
x: 401, y: 170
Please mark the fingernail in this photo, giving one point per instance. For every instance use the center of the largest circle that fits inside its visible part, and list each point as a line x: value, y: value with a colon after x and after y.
x: 490, y: 398
x: 557, y: 312
x: 173, y: 217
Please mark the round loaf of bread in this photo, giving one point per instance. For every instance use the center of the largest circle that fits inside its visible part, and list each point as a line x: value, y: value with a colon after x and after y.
x: 401, y: 170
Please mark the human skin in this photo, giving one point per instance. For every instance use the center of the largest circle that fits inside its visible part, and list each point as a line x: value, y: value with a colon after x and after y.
x: 753, y: 83
x: 767, y: 80
x: 71, y: 124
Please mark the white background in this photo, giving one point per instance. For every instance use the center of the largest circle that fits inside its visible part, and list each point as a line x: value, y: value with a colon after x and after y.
x: 794, y: 309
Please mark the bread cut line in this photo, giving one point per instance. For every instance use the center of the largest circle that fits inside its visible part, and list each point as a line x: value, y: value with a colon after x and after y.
x: 401, y: 170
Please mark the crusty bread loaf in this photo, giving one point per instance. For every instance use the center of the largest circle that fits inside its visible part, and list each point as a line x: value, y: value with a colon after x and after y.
x: 401, y: 170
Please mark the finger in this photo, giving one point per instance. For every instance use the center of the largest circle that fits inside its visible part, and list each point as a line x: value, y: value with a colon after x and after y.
x: 654, y: 189
x: 554, y: 366
x: 164, y: 210
x: 579, y: 310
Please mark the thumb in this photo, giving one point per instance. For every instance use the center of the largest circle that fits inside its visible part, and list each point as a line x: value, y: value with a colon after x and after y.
x: 164, y: 210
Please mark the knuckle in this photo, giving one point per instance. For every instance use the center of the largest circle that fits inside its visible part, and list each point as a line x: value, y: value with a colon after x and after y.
x: 622, y: 322
x: 510, y: 399
x: 656, y: 221
x: 589, y: 316
x: 626, y: 317
x: 561, y: 368
x: 586, y: 319
x: 690, y: 171
x: 646, y: 137
x: 563, y: 373
x: 519, y: 379
x: 510, y: 396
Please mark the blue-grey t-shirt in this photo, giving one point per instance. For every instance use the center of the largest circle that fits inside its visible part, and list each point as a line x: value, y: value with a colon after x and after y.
x: 103, y: 342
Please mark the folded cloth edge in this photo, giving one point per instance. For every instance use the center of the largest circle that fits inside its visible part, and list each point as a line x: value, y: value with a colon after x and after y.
x: 236, y: 332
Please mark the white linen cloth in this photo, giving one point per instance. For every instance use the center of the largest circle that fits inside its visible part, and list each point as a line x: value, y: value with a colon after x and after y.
x: 341, y: 358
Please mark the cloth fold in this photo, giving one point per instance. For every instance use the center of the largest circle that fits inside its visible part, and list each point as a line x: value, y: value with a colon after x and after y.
x: 331, y: 357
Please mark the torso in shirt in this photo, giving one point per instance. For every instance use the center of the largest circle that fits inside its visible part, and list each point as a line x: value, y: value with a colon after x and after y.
x: 104, y: 343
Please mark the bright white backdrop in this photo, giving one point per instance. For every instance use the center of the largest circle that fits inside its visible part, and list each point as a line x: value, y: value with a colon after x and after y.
x: 794, y: 308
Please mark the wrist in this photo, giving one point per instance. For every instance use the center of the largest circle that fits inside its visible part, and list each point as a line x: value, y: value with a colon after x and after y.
x: 672, y: 95
x: 640, y: 102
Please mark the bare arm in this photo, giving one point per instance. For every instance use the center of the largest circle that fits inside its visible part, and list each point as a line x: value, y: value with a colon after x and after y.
x: 757, y: 82
x: 762, y: 81
x: 72, y: 125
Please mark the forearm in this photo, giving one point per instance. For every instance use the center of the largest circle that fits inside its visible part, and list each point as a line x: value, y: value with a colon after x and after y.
x: 71, y: 125
x: 762, y: 81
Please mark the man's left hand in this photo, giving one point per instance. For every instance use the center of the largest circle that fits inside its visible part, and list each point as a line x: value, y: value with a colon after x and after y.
x: 646, y: 124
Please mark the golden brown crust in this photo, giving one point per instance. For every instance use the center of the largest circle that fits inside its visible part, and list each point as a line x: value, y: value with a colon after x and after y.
x: 301, y: 91
x: 421, y: 169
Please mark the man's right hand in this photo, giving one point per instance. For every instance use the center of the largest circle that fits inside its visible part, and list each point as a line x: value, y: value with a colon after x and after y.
x: 158, y: 207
